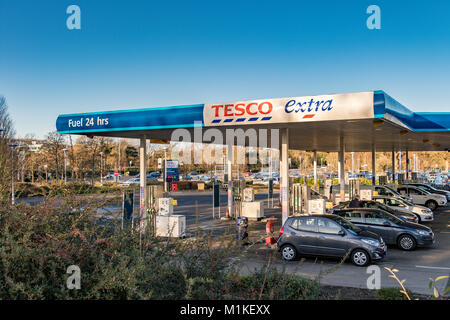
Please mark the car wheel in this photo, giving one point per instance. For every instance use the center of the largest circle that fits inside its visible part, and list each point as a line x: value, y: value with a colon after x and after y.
x: 360, y: 258
x: 406, y: 242
x: 288, y: 252
x: 431, y: 204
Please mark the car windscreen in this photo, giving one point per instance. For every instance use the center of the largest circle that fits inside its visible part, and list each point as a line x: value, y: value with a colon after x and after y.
x: 423, y: 189
x: 392, y: 190
x: 348, y: 225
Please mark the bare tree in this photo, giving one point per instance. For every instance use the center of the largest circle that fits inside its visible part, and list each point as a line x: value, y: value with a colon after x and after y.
x: 6, y: 135
x: 54, y: 146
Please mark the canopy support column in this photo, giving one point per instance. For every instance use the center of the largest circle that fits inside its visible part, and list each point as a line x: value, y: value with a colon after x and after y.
x: 315, y: 170
x: 393, y: 166
x: 341, y: 169
x: 142, y: 183
x: 407, y: 164
x: 230, y: 182
x: 284, y: 174
x: 373, y: 165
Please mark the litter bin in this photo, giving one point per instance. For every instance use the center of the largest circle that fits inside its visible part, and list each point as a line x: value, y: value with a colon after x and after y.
x: 241, y: 228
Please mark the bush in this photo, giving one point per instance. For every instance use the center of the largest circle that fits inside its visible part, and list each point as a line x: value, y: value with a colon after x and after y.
x: 38, y: 244
x: 392, y: 294
x: 272, y: 284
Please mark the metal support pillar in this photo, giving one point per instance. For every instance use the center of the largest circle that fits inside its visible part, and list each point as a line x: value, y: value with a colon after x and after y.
x: 230, y: 183
x: 374, y: 172
x: 142, y: 183
x: 393, y: 166
x: 315, y: 170
x: 284, y: 174
x: 407, y: 164
x: 341, y: 169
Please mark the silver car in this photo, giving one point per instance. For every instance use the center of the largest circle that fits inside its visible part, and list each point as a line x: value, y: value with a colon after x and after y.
x: 423, y: 213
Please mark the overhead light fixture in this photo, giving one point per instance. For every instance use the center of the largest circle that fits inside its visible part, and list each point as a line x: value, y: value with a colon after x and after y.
x: 437, y: 145
x: 426, y: 140
x: 377, y: 123
x: 90, y: 136
x: 403, y: 132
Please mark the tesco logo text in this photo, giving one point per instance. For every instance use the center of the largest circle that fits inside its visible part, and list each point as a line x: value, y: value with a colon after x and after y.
x: 241, y: 109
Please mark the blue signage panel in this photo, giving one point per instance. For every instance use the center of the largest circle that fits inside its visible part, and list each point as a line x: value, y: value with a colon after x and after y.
x: 139, y: 119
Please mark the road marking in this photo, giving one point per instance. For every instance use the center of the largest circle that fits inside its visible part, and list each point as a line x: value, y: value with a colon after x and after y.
x: 443, y: 268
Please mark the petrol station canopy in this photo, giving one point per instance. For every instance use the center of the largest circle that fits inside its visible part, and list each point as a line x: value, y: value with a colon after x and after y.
x: 363, y: 119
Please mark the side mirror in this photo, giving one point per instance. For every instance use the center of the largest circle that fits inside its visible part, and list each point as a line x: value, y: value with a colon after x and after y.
x: 386, y: 223
x: 341, y: 233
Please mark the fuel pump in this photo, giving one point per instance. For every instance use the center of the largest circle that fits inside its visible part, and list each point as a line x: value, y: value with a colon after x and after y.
x: 238, y: 195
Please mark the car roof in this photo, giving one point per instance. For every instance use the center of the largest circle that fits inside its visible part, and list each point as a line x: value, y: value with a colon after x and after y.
x: 361, y: 209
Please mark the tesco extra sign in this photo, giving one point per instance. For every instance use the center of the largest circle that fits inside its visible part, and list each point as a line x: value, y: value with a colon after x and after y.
x: 295, y: 109
x: 242, y: 109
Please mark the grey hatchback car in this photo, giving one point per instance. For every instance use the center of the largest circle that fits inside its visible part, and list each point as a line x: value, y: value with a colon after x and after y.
x: 329, y: 235
x: 406, y: 235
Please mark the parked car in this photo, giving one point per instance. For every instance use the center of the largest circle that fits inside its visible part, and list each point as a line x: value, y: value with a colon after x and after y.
x: 388, y: 191
x: 424, y: 214
x: 430, y: 189
x: 421, y: 196
x: 406, y: 216
x: 130, y: 182
x: 329, y: 235
x: 406, y: 235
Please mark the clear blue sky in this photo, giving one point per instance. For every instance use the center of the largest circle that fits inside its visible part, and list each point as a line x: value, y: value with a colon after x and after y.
x: 133, y: 54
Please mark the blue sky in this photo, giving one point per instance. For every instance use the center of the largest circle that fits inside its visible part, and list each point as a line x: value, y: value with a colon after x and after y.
x: 134, y: 54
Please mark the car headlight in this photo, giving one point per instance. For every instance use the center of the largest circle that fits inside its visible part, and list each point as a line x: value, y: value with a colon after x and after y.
x: 422, y: 233
x: 426, y: 211
x: 371, y: 242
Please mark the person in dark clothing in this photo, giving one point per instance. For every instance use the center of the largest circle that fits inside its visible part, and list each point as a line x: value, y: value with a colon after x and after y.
x: 355, y: 203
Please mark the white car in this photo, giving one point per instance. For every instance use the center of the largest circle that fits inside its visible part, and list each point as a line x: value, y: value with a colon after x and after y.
x: 388, y: 191
x: 423, y: 213
x: 421, y: 196
x: 130, y: 182
x: 430, y: 189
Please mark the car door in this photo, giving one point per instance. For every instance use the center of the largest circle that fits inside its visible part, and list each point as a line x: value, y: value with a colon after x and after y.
x: 329, y: 241
x: 354, y: 217
x: 304, y: 234
x: 417, y: 195
x: 377, y: 223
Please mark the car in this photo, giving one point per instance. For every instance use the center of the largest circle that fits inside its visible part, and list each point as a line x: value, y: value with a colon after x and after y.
x: 193, y: 173
x: 421, y: 196
x: 423, y: 213
x: 404, y: 215
x: 430, y: 189
x: 406, y: 235
x: 388, y: 191
x: 329, y: 235
x: 132, y: 181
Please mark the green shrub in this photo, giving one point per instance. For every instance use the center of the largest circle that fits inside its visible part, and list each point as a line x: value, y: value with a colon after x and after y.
x: 272, y: 284
x: 392, y: 294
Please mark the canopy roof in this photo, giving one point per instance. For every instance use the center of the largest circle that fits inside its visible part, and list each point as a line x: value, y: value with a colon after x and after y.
x: 314, y: 122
